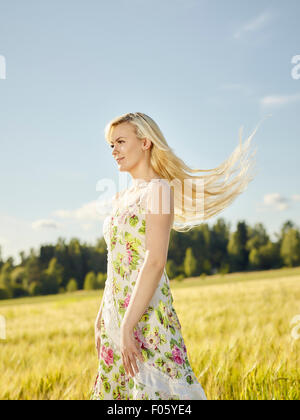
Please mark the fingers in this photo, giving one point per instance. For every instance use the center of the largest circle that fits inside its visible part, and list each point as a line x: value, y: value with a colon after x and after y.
x: 129, y: 355
x: 125, y: 363
x: 130, y: 364
x: 133, y: 363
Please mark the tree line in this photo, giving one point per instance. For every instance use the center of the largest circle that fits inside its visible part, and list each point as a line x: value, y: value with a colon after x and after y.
x: 66, y: 267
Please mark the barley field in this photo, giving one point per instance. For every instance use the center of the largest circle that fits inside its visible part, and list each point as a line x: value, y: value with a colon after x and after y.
x: 238, y: 329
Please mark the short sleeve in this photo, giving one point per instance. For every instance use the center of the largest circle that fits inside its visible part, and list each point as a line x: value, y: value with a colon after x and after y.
x: 157, y: 198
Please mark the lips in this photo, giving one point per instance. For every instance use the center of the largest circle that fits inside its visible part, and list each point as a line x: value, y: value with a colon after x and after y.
x: 118, y: 160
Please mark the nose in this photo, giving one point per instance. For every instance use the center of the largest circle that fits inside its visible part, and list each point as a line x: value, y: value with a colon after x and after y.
x: 114, y: 152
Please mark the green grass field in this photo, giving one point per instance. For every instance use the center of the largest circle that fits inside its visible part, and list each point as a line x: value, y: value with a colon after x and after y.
x: 237, y: 329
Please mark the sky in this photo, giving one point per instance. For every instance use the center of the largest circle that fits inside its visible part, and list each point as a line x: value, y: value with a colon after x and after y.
x: 200, y: 69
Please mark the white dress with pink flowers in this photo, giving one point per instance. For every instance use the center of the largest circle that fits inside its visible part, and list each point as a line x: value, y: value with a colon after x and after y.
x: 166, y: 373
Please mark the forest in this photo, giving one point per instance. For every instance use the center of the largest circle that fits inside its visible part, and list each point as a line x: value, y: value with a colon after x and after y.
x: 203, y: 251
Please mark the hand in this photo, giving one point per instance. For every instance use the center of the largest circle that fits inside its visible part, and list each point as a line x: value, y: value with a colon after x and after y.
x: 98, y: 340
x: 130, y: 351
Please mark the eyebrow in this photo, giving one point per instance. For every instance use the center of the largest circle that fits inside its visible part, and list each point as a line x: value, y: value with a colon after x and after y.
x: 121, y: 137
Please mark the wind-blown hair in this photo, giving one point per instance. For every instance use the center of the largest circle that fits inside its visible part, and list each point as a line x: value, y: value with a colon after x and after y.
x: 217, y: 191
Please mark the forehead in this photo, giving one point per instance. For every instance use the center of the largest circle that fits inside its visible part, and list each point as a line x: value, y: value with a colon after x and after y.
x: 121, y: 130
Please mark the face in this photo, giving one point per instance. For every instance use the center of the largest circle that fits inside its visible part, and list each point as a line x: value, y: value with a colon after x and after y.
x: 132, y: 151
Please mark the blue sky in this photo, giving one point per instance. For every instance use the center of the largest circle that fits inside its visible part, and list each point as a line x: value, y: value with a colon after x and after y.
x: 201, y: 69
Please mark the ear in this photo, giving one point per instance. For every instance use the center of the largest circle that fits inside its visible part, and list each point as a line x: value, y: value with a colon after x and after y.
x: 146, y: 144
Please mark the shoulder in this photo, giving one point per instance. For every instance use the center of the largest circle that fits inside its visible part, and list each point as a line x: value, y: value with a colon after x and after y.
x: 159, y: 198
x: 160, y: 184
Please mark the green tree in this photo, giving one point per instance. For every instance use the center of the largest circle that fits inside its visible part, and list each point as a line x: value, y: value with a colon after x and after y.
x: 72, y: 285
x: 171, y: 269
x: 218, y: 245
x: 265, y: 257
x: 237, y: 248
x: 190, y: 263
x: 290, y: 248
x: 35, y: 289
x: 206, y: 266
x: 284, y: 229
x: 5, y: 276
x: 4, y: 294
x: 18, y: 282
x: 18, y: 276
x: 101, y: 279
x: 52, y: 278
x: 90, y: 281
x: 76, y: 262
x: 33, y: 271
x: 257, y: 237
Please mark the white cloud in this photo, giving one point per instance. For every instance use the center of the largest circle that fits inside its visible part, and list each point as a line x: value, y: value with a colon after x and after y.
x: 279, y: 100
x: 275, y: 201
x: 93, y: 211
x: 254, y: 25
x: 45, y: 223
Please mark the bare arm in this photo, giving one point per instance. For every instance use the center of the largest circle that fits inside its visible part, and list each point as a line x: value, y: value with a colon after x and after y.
x: 158, y: 227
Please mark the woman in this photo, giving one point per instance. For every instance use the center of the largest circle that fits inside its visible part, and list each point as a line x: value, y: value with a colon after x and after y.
x: 141, y: 351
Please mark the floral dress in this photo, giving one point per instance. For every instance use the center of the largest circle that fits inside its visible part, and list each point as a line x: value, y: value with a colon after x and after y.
x: 166, y: 373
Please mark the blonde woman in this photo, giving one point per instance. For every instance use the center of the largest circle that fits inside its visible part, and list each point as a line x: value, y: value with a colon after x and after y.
x: 139, y: 342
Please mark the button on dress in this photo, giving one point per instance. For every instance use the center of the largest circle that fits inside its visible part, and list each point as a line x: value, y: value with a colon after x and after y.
x: 166, y: 373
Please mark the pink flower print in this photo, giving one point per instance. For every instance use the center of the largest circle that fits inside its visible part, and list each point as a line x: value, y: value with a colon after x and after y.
x: 177, y: 355
x: 108, y: 355
x: 127, y: 300
x: 129, y: 253
x: 139, y: 336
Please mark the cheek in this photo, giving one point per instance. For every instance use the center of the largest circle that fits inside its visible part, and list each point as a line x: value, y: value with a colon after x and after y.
x: 132, y: 155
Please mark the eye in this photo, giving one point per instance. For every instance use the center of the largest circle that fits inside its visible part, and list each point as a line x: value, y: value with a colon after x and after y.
x: 119, y: 141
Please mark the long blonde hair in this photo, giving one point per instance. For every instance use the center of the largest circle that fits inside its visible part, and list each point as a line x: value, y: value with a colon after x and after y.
x: 217, y: 191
